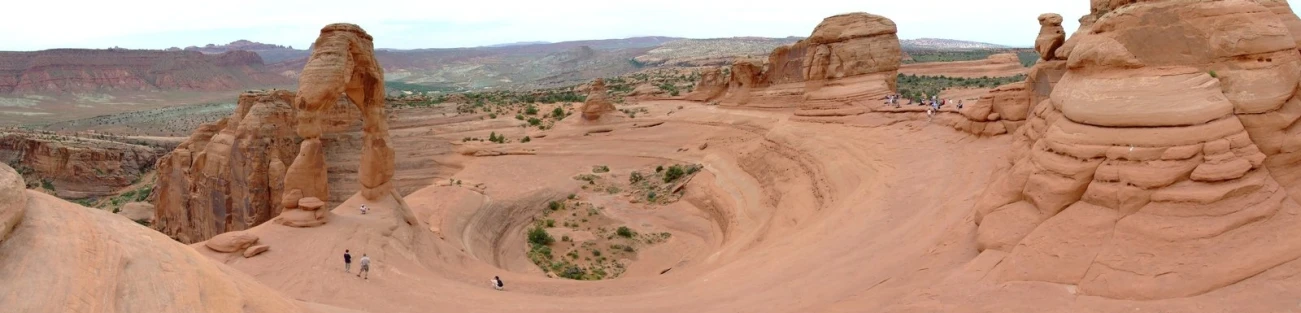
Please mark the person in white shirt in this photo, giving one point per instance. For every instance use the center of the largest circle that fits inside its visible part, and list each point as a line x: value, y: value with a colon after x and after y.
x: 365, y: 266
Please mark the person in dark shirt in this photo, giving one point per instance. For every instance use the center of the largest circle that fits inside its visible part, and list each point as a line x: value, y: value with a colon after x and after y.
x: 347, y: 262
x: 497, y: 284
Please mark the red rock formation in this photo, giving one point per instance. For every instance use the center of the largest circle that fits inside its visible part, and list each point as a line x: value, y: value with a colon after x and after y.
x: 854, y: 57
x: 77, y: 167
x: 712, y: 85
x: 343, y: 63
x: 81, y: 70
x: 597, y: 102
x: 1159, y: 167
x: 1051, y: 36
x: 849, y: 58
x: 228, y: 175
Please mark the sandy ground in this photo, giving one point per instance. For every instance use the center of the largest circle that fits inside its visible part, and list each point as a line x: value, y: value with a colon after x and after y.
x: 787, y: 217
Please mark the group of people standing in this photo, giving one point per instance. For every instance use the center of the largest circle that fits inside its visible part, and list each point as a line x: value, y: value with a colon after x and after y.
x: 365, y: 264
x: 934, y: 102
x: 365, y: 269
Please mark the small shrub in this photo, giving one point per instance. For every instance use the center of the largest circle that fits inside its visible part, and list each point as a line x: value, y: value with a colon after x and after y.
x: 573, y: 196
x: 600, y: 169
x: 492, y: 116
x: 596, y: 252
x: 558, y: 113
x: 555, y: 205
x: 612, y: 190
x: 673, y: 173
x: 650, y: 196
x: 531, y: 110
x: 628, y: 249
x: 1213, y: 74
x: 47, y: 184
x: 635, y: 177
x: 519, y: 117
x: 535, y: 121
x: 623, y: 231
x: 659, y: 168
x: 551, y: 223
x: 539, y: 236
x: 565, y: 238
x: 525, y: 139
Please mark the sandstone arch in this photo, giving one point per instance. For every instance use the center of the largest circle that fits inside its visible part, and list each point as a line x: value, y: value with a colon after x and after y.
x: 343, y: 63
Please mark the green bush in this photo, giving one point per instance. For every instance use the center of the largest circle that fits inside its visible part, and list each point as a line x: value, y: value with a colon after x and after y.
x: 674, y: 173
x: 635, y: 177
x: 555, y: 205
x: 525, y: 139
x: 659, y: 168
x: 624, y: 232
x: 600, y: 169
x: 551, y: 223
x: 538, y: 236
x: 558, y: 113
x: 1213, y: 74
x: 531, y: 110
x: 535, y: 121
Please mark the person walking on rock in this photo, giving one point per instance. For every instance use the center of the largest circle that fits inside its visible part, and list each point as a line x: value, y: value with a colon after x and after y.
x: 347, y: 262
x: 365, y: 266
x: 497, y: 284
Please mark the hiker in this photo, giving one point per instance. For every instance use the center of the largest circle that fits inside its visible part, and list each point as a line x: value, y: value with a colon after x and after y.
x: 365, y: 266
x: 497, y: 284
x: 364, y: 209
x: 959, y: 104
x: 347, y: 262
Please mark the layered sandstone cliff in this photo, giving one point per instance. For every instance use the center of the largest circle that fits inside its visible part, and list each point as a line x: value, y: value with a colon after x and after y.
x: 84, y: 70
x: 228, y: 175
x: 1163, y: 163
x: 76, y: 167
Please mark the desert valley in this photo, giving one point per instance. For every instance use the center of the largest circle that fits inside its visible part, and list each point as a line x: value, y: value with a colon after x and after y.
x: 1144, y: 162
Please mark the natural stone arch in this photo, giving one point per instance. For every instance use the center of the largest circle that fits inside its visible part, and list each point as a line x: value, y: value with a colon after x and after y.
x: 342, y: 63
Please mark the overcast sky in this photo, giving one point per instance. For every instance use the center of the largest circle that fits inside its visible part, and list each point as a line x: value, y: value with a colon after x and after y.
x: 158, y: 24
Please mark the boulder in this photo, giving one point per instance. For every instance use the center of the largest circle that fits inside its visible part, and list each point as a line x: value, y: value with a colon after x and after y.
x: 231, y: 241
x: 13, y: 200
x: 310, y: 204
x: 255, y: 250
x: 138, y: 211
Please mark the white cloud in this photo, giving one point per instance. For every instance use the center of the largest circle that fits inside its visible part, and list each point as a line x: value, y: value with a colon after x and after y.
x: 426, y: 24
